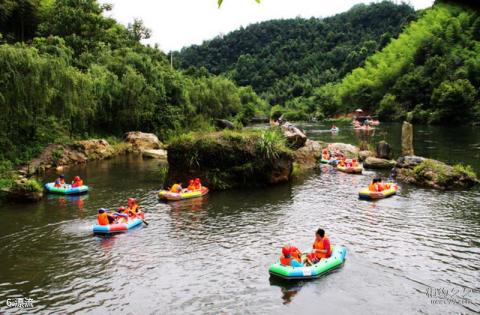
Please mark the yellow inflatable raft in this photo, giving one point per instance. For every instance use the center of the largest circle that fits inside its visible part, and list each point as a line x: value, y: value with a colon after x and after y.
x: 171, y: 196
x: 352, y: 170
x: 369, y: 195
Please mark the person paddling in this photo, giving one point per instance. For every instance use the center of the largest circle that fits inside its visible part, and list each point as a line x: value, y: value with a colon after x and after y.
x: 176, y: 188
x: 104, y: 217
x: 77, y: 182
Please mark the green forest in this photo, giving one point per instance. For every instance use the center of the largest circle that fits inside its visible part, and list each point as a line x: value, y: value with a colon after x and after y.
x: 68, y: 72
x: 286, y: 59
x: 385, y: 58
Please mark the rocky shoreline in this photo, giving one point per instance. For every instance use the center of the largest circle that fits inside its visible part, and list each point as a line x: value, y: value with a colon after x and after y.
x: 228, y: 159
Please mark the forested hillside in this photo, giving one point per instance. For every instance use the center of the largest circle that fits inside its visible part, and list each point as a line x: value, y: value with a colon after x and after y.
x: 285, y: 59
x: 67, y: 71
x: 431, y: 73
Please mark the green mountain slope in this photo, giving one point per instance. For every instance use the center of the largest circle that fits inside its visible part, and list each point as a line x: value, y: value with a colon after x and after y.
x: 284, y: 59
x: 432, y: 71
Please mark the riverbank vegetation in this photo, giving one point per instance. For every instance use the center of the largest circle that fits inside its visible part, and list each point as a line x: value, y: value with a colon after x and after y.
x: 68, y: 72
x: 229, y: 159
x: 385, y: 58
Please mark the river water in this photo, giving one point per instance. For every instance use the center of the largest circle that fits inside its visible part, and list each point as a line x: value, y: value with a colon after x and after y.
x: 211, y: 255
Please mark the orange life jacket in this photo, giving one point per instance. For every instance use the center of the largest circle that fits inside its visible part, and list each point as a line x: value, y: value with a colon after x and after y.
x: 175, y: 188
x: 103, y: 218
x: 285, y: 261
x: 133, y: 209
x: 342, y: 163
x: 318, y: 245
x: 372, y: 187
x: 297, y: 255
x: 191, y: 187
x: 198, y: 186
x: 78, y: 183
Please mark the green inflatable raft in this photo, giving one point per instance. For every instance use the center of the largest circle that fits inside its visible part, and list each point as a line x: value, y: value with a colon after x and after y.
x: 310, y: 272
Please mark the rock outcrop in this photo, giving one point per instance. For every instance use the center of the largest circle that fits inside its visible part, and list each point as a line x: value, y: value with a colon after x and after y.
x: 434, y: 174
x: 226, y: 160
x: 143, y: 141
x: 24, y: 190
x: 377, y: 163
x: 295, y: 137
x: 55, y: 155
x: 155, y: 154
x: 350, y: 151
x: 362, y: 155
x: 307, y: 157
x: 383, y: 150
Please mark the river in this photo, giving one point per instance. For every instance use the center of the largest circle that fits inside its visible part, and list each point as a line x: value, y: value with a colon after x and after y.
x: 211, y: 255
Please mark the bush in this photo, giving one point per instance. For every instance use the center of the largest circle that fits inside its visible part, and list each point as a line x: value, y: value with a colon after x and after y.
x: 465, y: 169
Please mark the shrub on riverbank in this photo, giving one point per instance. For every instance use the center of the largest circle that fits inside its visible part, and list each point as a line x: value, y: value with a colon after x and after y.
x: 229, y: 159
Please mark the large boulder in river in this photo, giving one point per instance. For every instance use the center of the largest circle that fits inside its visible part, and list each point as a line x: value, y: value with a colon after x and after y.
x: 377, y: 163
x: 434, y: 174
x: 308, y: 156
x: 143, y: 141
x: 24, y: 190
x: 362, y: 155
x: 295, y: 137
x: 350, y: 151
x: 230, y: 159
x: 383, y: 150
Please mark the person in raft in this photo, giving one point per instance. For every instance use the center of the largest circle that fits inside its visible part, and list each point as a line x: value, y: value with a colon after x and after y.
x: 191, y: 185
x: 105, y: 218
x: 325, y: 154
x: 60, y: 181
x: 321, y: 248
x: 198, y: 184
x: 378, y: 185
x: 290, y: 256
x: 342, y: 162
x: 77, y: 182
x: 122, y: 211
x: 176, y: 188
x: 133, y: 207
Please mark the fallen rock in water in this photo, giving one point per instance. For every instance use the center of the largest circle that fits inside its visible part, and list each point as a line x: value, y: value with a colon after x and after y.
x: 377, y: 163
x: 24, y: 190
x: 308, y: 156
x: 143, y: 141
x: 295, y: 137
x: 362, y: 155
x: 434, y: 174
x: 409, y: 161
x: 383, y: 150
x: 230, y: 159
x: 350, y: 151
x: 155, y: 154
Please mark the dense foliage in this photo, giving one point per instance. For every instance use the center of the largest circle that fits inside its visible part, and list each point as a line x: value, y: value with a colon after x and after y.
x: 286, y: 59
x: 73, y: 73
x: 431, y: 73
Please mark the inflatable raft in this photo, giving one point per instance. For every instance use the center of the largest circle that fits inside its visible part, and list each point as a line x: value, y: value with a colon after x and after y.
x: 369, y: 195
x: 171, y: 196
x: 65, y: 189
x: 352, y: 170
x: 310, y: 272
x: 119, y: 227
